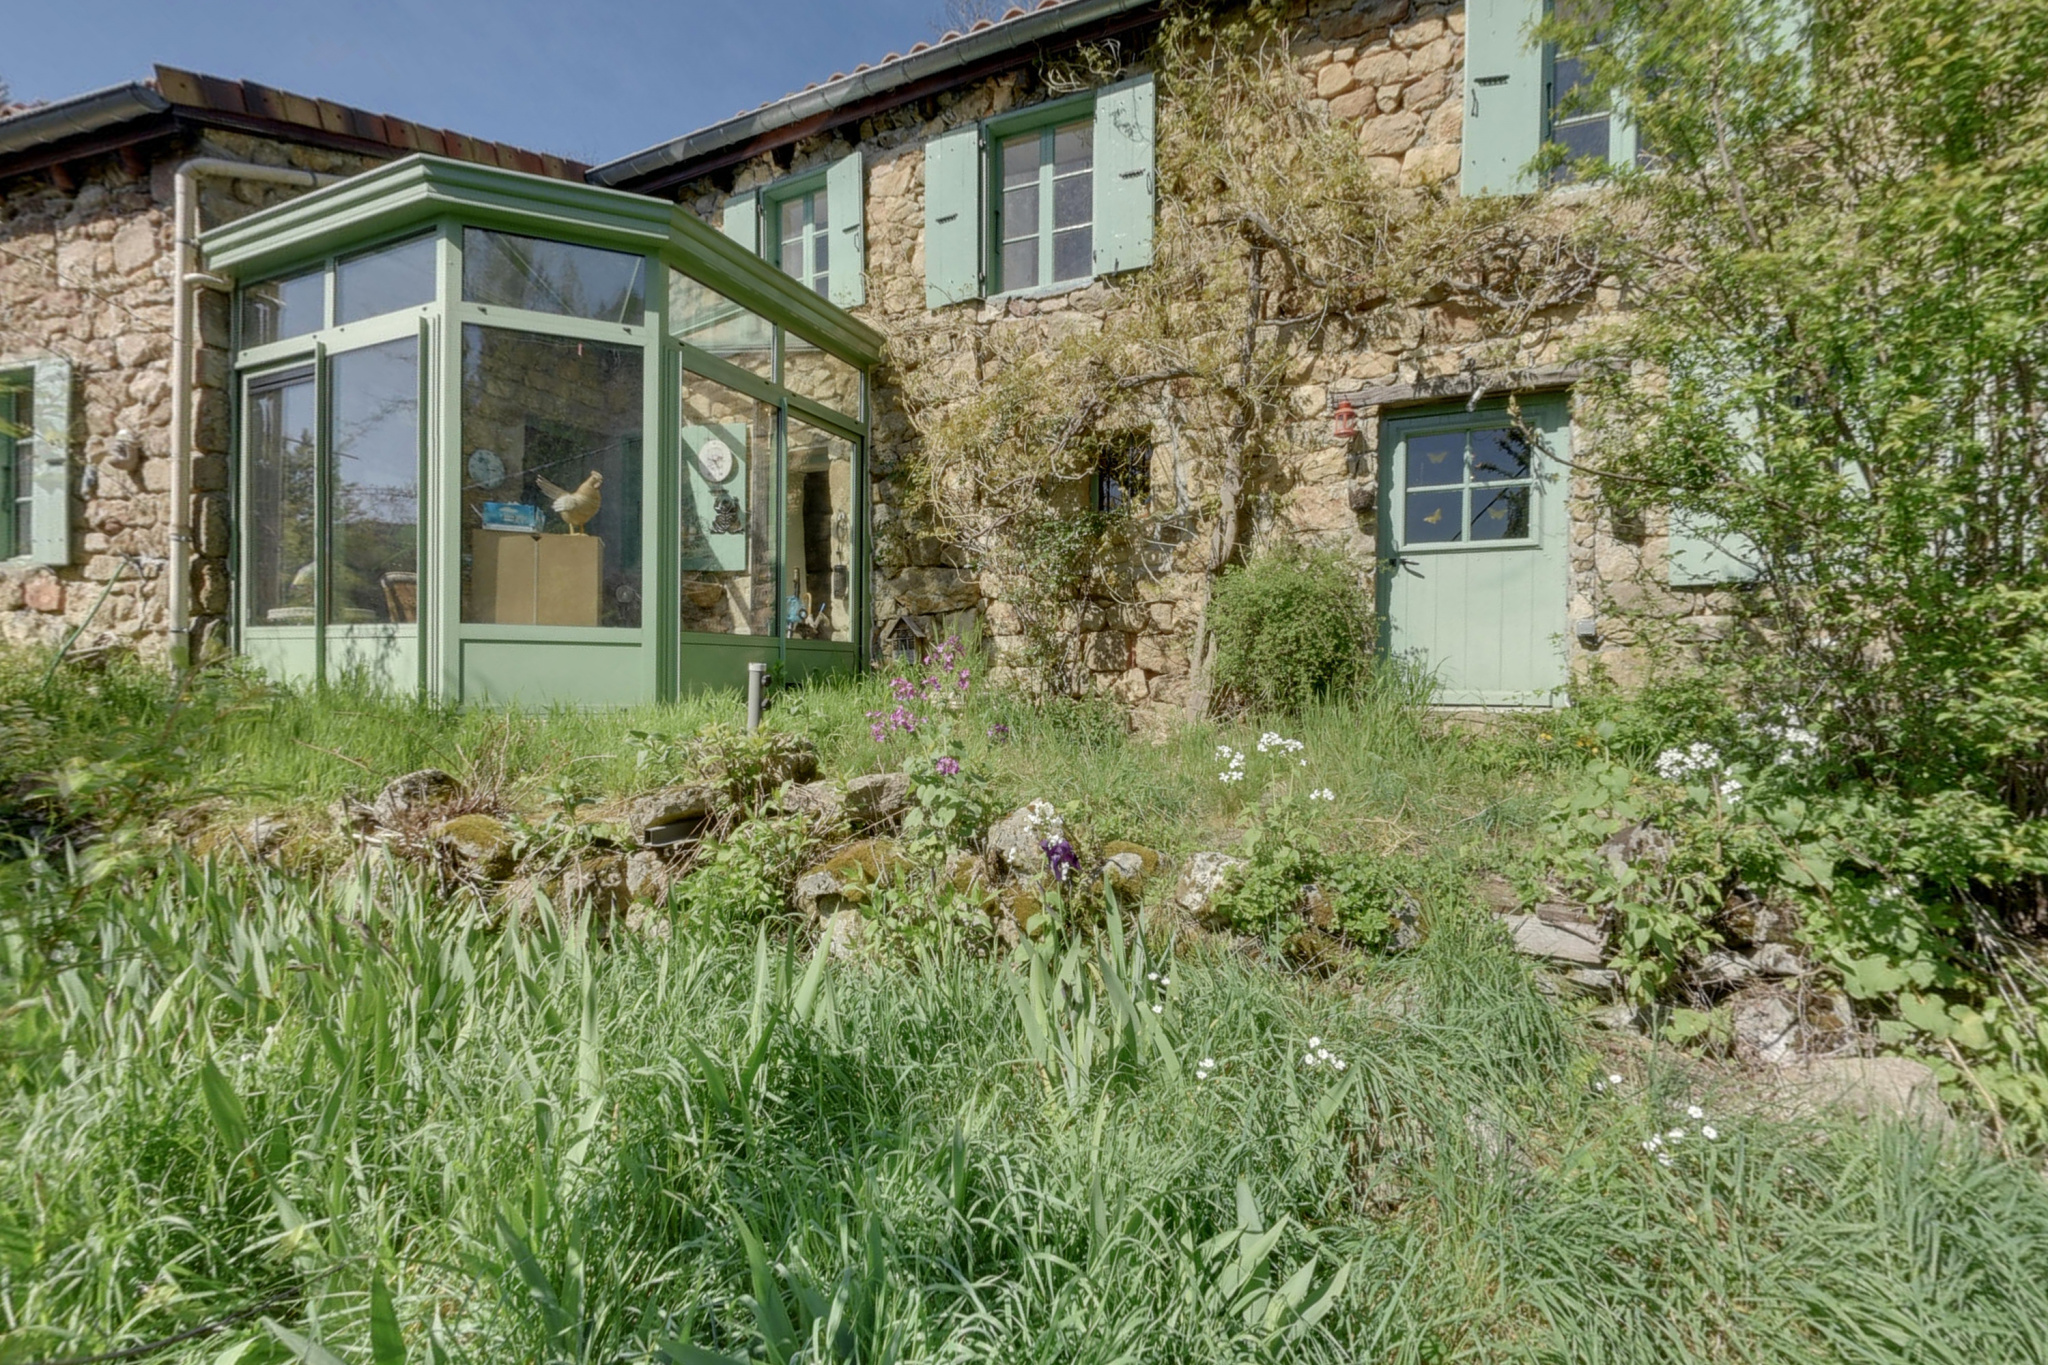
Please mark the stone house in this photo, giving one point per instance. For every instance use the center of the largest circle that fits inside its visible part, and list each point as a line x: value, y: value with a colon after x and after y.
x: 930, y: 204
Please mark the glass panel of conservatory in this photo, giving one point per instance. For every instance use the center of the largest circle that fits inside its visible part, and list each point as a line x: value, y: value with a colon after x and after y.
x: 375, y: 494
x: 553, y: 277
x: 384, y: 281
x: 278, y: 520
x: 551, y: 480
x: 728, y: 526
x: 819, y: 375
x: 708, y: 320
x: 818, y: 544
x: 277, y: 310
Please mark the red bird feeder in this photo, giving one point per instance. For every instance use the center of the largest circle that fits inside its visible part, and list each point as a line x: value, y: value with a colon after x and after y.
x: 1344, y: 419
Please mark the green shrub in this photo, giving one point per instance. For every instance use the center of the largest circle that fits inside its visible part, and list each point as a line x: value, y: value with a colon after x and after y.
x: 1290, y: 628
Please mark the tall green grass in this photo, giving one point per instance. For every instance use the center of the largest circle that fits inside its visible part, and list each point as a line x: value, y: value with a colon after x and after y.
x: 387, y: 1131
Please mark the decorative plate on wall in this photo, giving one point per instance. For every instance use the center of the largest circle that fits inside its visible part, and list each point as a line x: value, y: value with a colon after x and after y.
x: 715, y: 459
x: 486, y: 469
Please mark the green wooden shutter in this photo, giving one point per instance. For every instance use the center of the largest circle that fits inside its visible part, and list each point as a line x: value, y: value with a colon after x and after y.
x: 9, y: 448
x: 1124, y: 178
x: 952, y: 217
x: 742, y: 220
x: 1503, y: 97
x: 50, y: 508
x: 846, y: 206
x: 1703, y: 552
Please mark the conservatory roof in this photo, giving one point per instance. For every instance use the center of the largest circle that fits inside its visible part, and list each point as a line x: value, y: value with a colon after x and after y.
x: 420, y: 189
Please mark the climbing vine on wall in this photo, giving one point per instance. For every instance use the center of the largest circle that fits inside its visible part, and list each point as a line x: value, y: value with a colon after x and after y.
x: 1276, y: 243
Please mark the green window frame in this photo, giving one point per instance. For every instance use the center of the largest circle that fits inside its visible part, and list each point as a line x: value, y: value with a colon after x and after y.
x: 799, y: 221
x: 16, y: 501
x: 973, y: 208
x: 1518, y: 100
x: 1042, y: 210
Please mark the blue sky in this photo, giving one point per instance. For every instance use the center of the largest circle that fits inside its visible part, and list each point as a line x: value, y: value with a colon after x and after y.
x: 593, y: 79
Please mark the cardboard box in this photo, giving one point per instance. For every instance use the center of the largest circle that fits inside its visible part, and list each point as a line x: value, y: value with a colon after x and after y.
x: 535, y: 580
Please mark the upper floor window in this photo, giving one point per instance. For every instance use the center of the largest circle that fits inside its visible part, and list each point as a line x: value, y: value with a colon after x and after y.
x: 1042, y: 197
x: 805, y: 238
x: 812, y: 224
x: 1045, y: 216
x: 1521, y: 95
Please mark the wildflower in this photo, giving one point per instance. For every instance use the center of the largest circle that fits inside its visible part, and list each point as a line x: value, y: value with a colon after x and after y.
x: 1600, y: 1085
x: 1315, y: 1042
x: 1338, y: 1063
x: 1201, y: 1075
x: 1693, y: 1111
x: 1060, y: 858
x: 1730, y: 789
x: 1614, y: 1078
x: 1159, y: 1009
x: 999, y: 734
x: 1663, y: 1158
x: 947, y: 765
x: 1308, y: 1059
x: 1651, y: 1144
x: 1709, y: 1133
x: 1675, y: 1134
x: 1301, y: 763
x: 1323, y: 1053
x: 1166, y: 981
x: 1325, y: 794
x: 1151, y: 976
x: 1207, y: 1063
x: 1675, y: 765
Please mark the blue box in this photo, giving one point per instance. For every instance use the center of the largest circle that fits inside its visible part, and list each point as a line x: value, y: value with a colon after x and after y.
x: 511, y: 516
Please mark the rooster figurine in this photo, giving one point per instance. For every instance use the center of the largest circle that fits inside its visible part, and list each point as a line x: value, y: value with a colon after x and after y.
x: 575, y: 508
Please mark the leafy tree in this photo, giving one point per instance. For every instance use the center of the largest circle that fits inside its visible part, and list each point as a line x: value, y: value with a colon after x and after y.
x: 1839, y: 247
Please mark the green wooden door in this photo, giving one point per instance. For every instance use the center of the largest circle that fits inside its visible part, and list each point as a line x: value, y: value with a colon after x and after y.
x: 1473, y: 547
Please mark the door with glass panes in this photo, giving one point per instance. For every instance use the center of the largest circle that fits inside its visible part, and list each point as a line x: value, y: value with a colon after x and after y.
x: 1473, y: 552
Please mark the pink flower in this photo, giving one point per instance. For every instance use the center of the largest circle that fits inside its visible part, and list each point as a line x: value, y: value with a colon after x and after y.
x: 947, y: 765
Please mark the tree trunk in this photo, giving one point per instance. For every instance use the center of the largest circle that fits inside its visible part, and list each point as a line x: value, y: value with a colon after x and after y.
x: 1225, y: 537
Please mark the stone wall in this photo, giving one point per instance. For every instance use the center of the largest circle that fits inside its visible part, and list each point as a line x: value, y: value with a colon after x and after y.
x: 1394, y: 70
x: 85, y: 273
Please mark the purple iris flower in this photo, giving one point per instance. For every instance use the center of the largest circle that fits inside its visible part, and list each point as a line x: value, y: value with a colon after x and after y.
x: 1060, y: 858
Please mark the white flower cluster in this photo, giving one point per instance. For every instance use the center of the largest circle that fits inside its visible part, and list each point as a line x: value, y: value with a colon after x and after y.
x: 1204, y: 1068
x: 1613, y: 1080
x: 1324, y: 795
x: 1040, y: 815
x: 1795, y: 742
x: 1699, y: 759
x: 1274, y: 742
x: 1657, y: 1144
x: 1318, y: 1055
x: 1162, y: 982
x: 1234, y: 759
x: 1675, y: 765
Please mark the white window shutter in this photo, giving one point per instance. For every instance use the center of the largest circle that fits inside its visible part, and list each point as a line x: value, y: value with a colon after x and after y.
x: 1503, y: 97
x: 953, y: 227
x: 50, y: 508
x: 1125, y: 181
x: 846, y: 208
x: 742, y: 220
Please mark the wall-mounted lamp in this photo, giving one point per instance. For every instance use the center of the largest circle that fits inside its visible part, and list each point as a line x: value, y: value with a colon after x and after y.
x: 1344, y: 420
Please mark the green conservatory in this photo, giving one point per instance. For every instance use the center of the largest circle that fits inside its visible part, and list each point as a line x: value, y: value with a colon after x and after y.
x: 500, y: 437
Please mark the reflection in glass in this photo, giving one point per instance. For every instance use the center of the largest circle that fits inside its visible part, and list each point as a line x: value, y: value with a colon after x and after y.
x: 375, y: 496
x: 278, y: 520
x: 1434, y: 516
x: 1500, y: 513
x: 18, y: 497
x: 820, y: 376
x: 818, y: 535
x: 728, y: 528
x: 277, y: 310
x: 384, y: 281
x: 551, y: 432
x: 553, y: 277
x: 1499, y: 454
x: 708, y: 320
x: 805, y: 241
x: 1073, y: 197
x: 1436, y: 460
x: 1020, y: 210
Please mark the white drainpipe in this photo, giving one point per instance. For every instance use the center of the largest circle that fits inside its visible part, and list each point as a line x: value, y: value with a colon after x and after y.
x: 187, y: 277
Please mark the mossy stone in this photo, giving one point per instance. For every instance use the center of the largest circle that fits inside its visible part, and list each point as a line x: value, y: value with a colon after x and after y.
x: 481, y: 841
x: 1149, y: 856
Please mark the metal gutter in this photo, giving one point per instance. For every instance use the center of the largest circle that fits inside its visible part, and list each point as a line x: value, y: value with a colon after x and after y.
x: 78, y: 115
x: 962, y: 53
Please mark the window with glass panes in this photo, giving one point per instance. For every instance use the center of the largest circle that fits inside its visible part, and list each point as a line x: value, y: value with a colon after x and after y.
x: 1573, y: 118
x: 17, y: 466
x: 1467, y: 486
x: 805, y: 242
x: 1045, y: 215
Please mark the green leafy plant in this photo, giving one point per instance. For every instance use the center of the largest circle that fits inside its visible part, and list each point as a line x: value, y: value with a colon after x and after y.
x: 1291, y: 627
